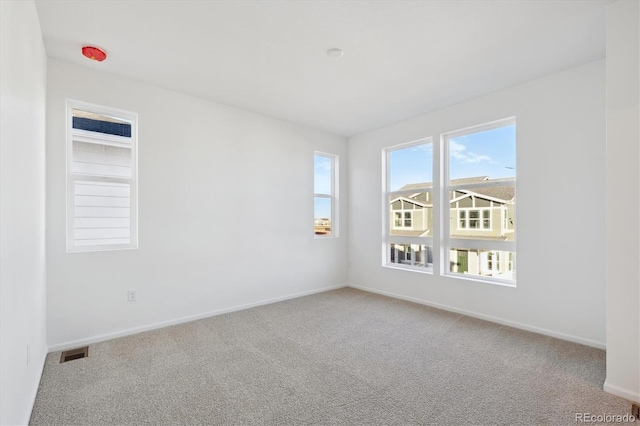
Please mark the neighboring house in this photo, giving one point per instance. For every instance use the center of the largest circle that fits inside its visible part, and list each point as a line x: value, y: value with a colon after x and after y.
x: 322, y: 226
x: 486, y: 213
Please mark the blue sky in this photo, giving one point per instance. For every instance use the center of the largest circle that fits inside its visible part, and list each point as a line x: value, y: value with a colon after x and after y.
x: 410, y: 165
x: 322, y: 208
x: 322, y: 185
x: 489, y: 153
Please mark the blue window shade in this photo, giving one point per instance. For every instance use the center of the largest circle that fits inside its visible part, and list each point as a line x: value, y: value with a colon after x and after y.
x: 107, y: 127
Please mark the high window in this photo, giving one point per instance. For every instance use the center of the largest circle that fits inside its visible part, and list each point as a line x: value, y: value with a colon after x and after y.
x: 325, y: 195
x: 101, y: 178
x: 409, y: 206
x: 479, y: 202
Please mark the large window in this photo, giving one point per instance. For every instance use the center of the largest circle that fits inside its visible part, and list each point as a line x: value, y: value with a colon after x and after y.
x: 102, y: 178
x: 409, y: 206
x: 325, y: 195
x: 479, y: 185
x: 469, y: 205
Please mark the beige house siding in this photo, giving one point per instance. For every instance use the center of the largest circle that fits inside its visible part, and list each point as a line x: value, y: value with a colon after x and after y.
x: 486, y: 213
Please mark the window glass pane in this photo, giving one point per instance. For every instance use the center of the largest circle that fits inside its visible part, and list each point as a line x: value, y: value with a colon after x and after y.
x: 322, y: 215
x: 102, y: 213
x: 100, y: 123
x: 397, y: 219
x: 96, y: 159
x: 417, y: 255
x: 490, y: 153
x: 411, y: 214
x: 411, y: 168
x: 483, y: 263
x: 495, y: 222
x: 323, y: 170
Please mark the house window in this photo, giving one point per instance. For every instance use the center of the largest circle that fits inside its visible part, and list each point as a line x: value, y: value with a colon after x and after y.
x: 493, y: 261
x: 402, y: 219
x: 408, y: 206
x: 101, y: 178
x: 480, y: 181
x: 325, y: 195
x: 474, y: 219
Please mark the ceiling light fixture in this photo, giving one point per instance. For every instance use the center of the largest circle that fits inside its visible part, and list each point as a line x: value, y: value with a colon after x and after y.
x: 94, y: 53
x: 335, y: 53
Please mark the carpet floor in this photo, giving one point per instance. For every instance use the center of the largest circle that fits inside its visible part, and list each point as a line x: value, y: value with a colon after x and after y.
x: 341, y: 357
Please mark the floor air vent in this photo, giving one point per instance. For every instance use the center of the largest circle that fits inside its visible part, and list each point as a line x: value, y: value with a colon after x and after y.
x: 72, y: 354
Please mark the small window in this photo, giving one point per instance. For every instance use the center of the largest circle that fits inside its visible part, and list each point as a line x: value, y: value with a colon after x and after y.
x: 474, y: 219
x: 102, y: 178
x: 325, y: 195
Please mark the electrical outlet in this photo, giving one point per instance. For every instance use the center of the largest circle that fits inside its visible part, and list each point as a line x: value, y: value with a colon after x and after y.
x: 132, y: 295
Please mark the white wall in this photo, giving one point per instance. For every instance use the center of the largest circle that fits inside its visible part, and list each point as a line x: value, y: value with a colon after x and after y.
x: 623, y: 201
x: 560, y: 208
x: 22, y: 210
x: 225, y: 213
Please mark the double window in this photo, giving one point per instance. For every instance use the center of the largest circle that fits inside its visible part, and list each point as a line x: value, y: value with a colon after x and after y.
x: 474, y: 219
x: 402, y: 219
x: 325, y: 222
x: 469, y: 205
x: 101, y: 178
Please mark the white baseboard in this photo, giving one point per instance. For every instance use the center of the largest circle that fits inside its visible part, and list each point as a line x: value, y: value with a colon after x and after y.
x: 563, y: 336
x: 624, y: 393
x: 162, y: 324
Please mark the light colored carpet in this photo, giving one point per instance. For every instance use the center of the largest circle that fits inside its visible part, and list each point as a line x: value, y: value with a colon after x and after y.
x: 341, y: 357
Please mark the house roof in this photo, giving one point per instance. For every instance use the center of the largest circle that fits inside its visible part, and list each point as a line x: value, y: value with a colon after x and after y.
x: 462, y: 181
x: 412, y: 200
x: 505, y: 193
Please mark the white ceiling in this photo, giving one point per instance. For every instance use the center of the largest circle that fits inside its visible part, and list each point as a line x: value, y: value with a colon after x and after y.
x: 401, y: 58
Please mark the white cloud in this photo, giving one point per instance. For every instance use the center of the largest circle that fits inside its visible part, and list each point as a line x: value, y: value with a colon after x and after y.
x: 322, y: 165
x: 427, y: 148
x: 460, y: 153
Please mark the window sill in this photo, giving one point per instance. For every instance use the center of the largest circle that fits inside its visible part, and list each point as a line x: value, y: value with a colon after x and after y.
x: 418, y: 269
x: 100, y: 249
x: 480, y: 279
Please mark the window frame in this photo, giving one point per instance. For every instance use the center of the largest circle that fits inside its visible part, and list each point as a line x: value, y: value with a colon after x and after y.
x: 481, y: 211
x: 447, y: 243
x: 389, y: 221
x: 403, y: 219
x: 493, y: 261
x: 441, y: 243
x: 334, y: 158
x: 80, y: 135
